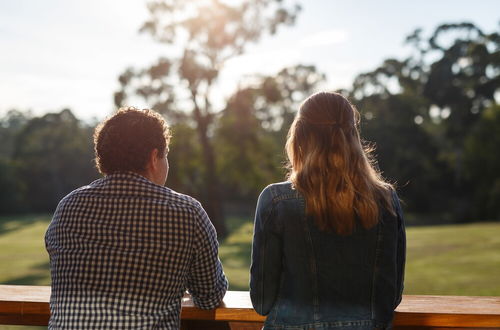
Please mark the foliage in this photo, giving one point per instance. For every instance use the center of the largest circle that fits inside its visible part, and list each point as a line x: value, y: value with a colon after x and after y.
x: 10, y: 125
x: 180, y: 85
x: 406, y: 154
x: 432, y: 118
x: 280, y: 95
x: 247, y: 154
x: 251, y: 131
x: 50, y: 156
x: 11, y: 194
x: 186, y: 161
x: 482, y: 163
x: 419, y: 111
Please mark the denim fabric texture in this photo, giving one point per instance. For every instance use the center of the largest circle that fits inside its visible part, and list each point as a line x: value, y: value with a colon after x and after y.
x: 305, y: 278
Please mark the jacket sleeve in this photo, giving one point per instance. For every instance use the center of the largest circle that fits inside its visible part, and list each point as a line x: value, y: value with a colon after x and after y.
x: 401, y: 251
x: 206, y: 281
x: 265, y: 271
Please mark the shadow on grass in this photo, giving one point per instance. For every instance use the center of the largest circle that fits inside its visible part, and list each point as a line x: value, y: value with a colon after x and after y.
x: 236, y: 262
x: 37, y: 276
x: 26, y: 280
x: 17, y: 222
x: 235, y: 252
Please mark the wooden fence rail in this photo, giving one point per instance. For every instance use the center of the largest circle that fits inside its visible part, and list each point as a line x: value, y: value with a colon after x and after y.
x: 29, y: 305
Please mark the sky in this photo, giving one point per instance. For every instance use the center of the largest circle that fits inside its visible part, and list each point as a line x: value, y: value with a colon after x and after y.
x: 57, y: 54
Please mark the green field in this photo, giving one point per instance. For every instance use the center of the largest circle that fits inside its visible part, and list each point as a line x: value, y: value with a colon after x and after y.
x: 445, y: 260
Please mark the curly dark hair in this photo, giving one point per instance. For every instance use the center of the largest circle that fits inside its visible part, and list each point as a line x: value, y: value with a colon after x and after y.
x: 124, y: 141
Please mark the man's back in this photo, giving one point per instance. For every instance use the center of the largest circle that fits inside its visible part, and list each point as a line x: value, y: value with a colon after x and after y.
x: 123, y: 250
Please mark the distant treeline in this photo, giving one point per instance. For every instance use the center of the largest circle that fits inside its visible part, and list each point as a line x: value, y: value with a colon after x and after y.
x: 433, y: 118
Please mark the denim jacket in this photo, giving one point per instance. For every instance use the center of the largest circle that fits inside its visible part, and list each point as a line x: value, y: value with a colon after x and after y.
x: 304, y: 278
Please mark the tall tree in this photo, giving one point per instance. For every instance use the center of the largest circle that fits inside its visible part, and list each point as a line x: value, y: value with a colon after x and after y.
x: 54, y: 154
x: 13, y: 188
x: 434, y: 97
x: 462, y: 82
x: 251, y: 130
x: 186, y: 171
x: 200, y: 36
x: 10, y: 125
x: 279, y: 96
x: 482, y: 163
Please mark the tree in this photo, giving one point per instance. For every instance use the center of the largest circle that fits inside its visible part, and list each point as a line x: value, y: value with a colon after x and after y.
x: 250, y: 134
x: 11, y: 194
x: 247, y: 154
x: 186, y: 161
x: 459, y: 86
x: 396, y: 121
x: 55, y: 155
x: 461, y: 83
x: 203, y: 35
x: 281, y: 94
x: 13, y: 187
x: 421, y: 109
x: 406, y: 153
x: 482, y: 163
x: 10, y: 125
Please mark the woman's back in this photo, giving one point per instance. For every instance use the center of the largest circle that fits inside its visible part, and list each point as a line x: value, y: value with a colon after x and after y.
x: 319, y: 279
x: 329, y: 244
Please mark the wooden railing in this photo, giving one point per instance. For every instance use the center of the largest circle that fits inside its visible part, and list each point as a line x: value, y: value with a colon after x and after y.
x: 29, y: 305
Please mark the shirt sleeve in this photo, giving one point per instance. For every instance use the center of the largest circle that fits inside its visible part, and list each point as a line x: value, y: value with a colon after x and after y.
x: 206, y: 282
x: 265, y: 271
x: 401, y: 252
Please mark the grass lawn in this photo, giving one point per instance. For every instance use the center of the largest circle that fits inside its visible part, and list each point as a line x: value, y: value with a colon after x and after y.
x: 444, y: 260
x: 441, y: 260
x: 454, y: 260
x: 23, y: 259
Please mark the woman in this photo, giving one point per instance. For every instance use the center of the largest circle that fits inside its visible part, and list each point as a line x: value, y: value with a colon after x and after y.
x: 329, y: 244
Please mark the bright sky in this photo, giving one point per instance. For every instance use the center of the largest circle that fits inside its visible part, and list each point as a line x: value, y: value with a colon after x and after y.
x: 69, y: 53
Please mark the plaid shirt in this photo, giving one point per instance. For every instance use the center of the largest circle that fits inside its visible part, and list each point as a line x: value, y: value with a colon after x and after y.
x: 123, y: 250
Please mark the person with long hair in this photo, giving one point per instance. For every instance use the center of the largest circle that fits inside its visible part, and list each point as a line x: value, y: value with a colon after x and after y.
x: 329, y: 244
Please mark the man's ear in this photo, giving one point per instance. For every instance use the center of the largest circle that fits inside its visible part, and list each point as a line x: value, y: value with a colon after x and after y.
x: 153, y: 159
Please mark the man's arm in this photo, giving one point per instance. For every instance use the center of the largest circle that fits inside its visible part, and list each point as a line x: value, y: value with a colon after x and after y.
x: 206, y: 280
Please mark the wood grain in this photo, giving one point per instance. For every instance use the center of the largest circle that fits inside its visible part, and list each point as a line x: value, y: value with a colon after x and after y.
x: 29, y: 305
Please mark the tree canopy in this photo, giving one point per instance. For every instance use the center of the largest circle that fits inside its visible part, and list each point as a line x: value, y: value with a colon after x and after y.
x: 208, y: 33
x: 433, y: 118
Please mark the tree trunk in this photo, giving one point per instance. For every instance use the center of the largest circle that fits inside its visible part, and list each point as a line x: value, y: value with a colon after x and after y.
x: 212, y: 202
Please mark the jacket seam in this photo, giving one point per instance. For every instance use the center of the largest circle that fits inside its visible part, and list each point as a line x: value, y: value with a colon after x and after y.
x: 313, y: 264
x: 375, y: 266
x: 263, y: 253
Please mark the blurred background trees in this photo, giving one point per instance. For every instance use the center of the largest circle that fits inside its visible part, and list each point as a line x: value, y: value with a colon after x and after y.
x: 433, y: 117
x: 208, y: 34
x: 43, y: 159
x: 421, y: 111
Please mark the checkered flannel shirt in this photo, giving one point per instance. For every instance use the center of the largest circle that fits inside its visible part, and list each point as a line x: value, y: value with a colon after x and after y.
x: 123, y: 250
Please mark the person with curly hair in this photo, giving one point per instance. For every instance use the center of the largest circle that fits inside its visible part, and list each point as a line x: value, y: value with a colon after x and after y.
x: 124, y: 249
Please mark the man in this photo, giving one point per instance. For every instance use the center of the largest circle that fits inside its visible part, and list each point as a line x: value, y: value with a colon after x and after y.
x: 124, y: 249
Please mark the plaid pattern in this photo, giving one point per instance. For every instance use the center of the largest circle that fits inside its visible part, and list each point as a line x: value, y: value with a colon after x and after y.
x: 123, y: 250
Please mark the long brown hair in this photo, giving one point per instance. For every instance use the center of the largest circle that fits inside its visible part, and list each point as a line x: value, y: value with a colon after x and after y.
x: 330, y: 167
